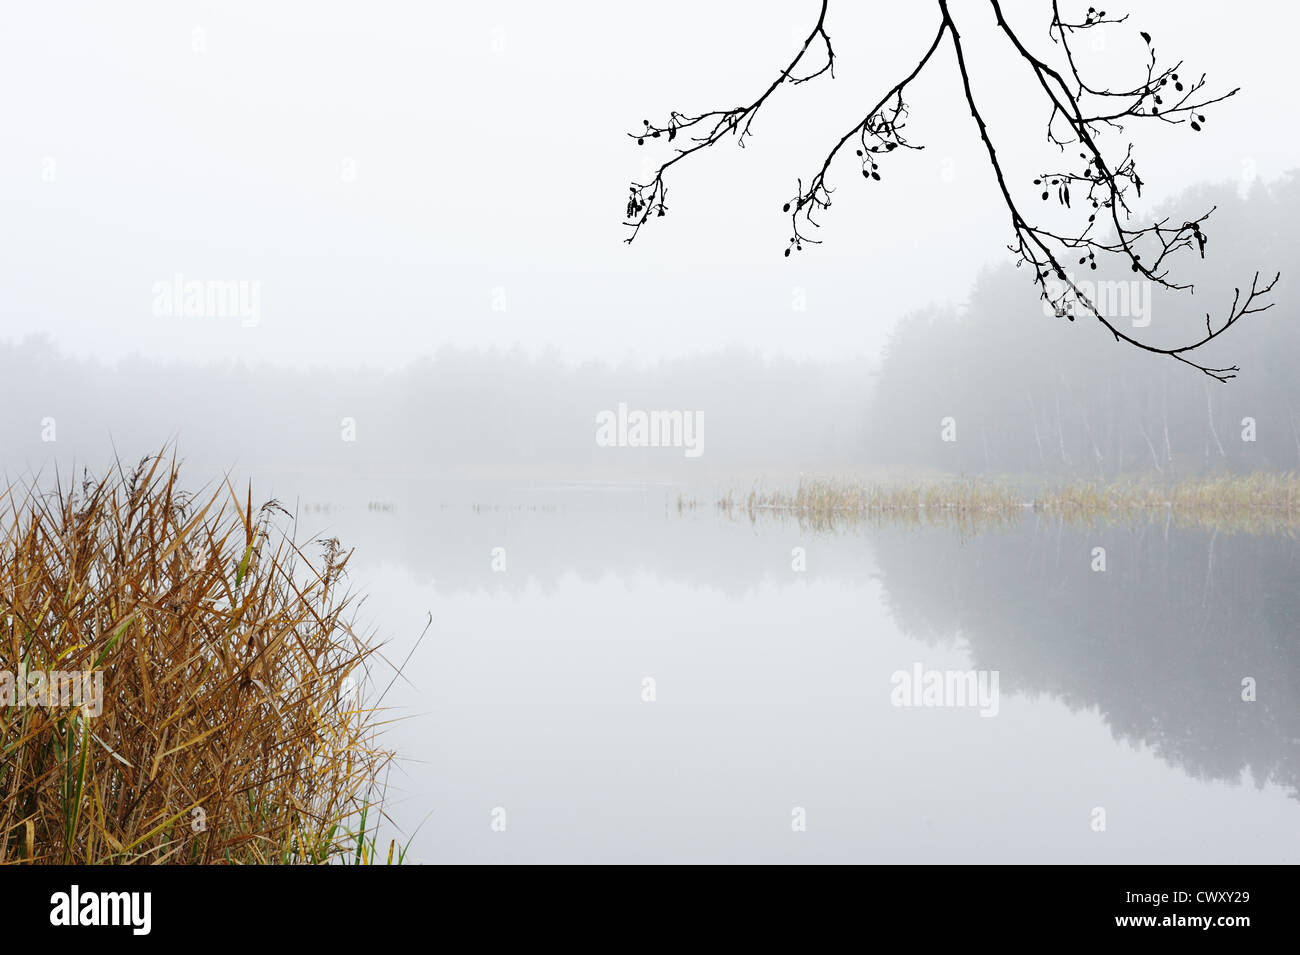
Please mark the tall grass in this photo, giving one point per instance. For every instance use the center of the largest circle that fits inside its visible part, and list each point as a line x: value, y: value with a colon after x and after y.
x: 1255, y: 503
x: 230, y: 730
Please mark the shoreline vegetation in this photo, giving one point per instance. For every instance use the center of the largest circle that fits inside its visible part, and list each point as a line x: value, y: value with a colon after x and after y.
x: 1255, y: 503
x: 229, y: 725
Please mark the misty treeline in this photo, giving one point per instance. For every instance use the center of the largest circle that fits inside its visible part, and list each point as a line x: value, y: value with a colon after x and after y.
x: 1030, y: 392
x: 1027, y: 393
x: 459, y: 413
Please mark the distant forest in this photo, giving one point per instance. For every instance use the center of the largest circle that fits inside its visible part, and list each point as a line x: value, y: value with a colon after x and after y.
x: 1034, y: 393
x: 461, y: 414
x: 1028, y: 394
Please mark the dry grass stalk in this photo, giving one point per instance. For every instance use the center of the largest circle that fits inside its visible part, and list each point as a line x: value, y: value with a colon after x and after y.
x: 1255, y: 503
x: 228, y: 729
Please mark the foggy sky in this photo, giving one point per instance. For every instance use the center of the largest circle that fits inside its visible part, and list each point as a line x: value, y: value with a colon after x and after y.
x: 488, y: 148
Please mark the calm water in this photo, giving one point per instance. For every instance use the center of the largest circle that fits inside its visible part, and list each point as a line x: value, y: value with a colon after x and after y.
x: 1118, y: 690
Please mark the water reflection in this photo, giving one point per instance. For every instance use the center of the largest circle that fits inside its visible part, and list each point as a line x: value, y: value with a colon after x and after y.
x: 774, y: 684
x: 1159, y: 642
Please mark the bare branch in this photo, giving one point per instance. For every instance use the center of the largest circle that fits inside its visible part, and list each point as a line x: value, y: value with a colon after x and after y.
x: 1080, y: 113
x: 705, y: 129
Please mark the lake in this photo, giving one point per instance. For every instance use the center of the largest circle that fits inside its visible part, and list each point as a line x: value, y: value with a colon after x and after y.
x: 611, y: 678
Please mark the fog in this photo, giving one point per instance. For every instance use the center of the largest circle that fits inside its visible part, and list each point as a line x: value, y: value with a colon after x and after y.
x: 456, y: 414
x: 1024, y: 392
x: 401, y: 177
x: 371, y: 258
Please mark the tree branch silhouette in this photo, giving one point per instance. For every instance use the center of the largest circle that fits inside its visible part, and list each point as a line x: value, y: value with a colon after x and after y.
x: 1080, y: 113
x: 705, y: 129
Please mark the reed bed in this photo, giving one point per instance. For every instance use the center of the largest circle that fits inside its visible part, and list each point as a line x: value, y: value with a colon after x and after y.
x: 228, y: 729
x: 1255, y: 503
